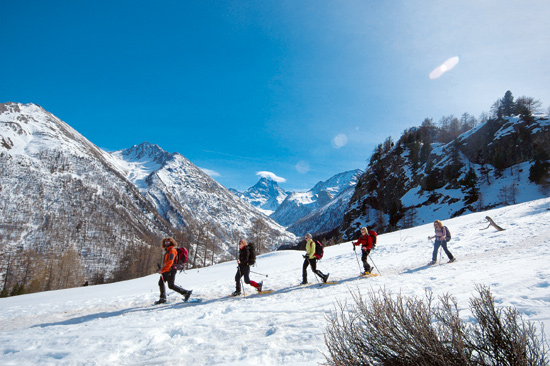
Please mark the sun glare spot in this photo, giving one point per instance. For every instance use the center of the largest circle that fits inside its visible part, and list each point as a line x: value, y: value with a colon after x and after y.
x: 446, y: 66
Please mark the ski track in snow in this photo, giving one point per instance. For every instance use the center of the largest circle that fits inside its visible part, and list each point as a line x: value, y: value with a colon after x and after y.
x: 117, y: 323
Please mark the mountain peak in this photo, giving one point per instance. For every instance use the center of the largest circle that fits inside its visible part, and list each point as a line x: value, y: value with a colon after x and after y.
x: 146, y: 151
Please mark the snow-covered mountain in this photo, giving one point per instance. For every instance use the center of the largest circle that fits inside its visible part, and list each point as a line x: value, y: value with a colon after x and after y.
x: 188, y: 198
x: 266, y: 195
x: 59, y: 191
x: 319, y: 209
x: 116, y: 324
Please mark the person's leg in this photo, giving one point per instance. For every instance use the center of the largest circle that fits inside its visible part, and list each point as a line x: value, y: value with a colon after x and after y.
x: 366, y: 264
x: 449, y: 254
x: 171, y: 278
x: 162, y: 288
x: 238, y: 276
x: 304, y: 270
x: 313, y: 263
x: 437, y: 244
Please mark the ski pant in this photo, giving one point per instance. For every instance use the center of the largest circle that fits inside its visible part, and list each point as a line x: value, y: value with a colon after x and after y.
x: 169, y: 277
x: 243, y: 271
x: 364, y: 257
x: 443, y: 244
x: 313, y: 263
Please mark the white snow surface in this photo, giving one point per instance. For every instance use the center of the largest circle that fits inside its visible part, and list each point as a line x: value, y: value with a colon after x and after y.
x: 116, y: 324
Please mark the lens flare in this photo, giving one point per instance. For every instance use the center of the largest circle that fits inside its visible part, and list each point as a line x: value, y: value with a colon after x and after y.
x: 446, y: 66
x: 339, y: 141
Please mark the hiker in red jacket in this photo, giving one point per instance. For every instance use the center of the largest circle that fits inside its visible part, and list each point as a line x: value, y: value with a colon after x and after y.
x: 168, y: 272
x: 366, y: 242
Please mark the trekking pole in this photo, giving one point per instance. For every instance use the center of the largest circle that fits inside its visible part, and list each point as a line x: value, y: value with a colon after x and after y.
x: 261, y: 274
x: 375, y: 266
x: 357, y: 258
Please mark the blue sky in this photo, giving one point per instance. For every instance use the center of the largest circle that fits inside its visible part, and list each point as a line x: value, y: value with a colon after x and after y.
x: 299, y: 89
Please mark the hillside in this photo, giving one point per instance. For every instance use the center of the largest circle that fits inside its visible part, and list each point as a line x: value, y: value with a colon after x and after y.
x: 68, y: 205
x: 116, y: 324
x: 426, y: 175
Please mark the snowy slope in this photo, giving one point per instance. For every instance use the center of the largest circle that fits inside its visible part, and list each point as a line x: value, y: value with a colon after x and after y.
x: 116, y: 324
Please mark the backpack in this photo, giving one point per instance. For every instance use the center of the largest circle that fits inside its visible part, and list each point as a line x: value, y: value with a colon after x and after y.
x: 448, y: 236
x: 319, y: 250
x: 181, y: 259
x: 373, y: 236
x: 252, y: 254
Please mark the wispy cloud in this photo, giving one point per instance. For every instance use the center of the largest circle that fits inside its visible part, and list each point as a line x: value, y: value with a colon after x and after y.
x: 446, y: 66
x: 271, y: 176
x: 302, y: 167
x: 211, y: 173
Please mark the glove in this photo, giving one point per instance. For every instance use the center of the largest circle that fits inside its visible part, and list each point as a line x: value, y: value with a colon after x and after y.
x: 305, y: 256
x: 353, y: 246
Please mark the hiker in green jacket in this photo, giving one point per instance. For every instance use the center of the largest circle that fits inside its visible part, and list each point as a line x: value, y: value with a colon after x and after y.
x: 310, y: 258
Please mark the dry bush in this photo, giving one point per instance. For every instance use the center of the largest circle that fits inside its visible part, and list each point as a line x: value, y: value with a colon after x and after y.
x: 410, y: 331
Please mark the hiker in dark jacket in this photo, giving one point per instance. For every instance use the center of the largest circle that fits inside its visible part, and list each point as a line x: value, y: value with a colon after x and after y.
x: 311, y: 259
x: 243, y: 269
x: 440, y: 241
x: 365, y: 240
x: 168, y: 272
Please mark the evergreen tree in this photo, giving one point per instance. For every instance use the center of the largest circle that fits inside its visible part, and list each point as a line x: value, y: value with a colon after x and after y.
x: 508, y: 106
x: 470, y: 186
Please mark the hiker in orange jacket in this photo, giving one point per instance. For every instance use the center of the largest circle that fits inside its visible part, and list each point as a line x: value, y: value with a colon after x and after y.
x: 168, y: 272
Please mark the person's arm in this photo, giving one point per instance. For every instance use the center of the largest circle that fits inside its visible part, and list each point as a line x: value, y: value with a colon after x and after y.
x: 169, y: 260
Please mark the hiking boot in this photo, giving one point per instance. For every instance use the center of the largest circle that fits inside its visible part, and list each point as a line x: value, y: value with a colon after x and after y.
x: 160, y: 301
x: 432, y: 263
x: 236, y: 293
x: 260, y: 285
x: 187, y: 295
x: 451, y: 260
x: 366, y: 273
x: 325, y: 279
x: 303, y: 283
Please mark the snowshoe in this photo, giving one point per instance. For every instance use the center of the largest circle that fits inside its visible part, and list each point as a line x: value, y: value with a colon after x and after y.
x: 187, y: 295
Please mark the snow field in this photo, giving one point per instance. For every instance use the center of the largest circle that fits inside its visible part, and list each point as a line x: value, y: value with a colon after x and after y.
x: 116, y: 323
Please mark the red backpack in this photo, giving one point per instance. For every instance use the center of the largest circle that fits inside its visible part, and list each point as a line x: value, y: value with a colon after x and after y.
x: 319, y: 250
x: 373, y: 236
x: 181, y: 259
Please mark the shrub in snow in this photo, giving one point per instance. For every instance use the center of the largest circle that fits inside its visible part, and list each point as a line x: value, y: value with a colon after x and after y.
x: 387, y: 330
